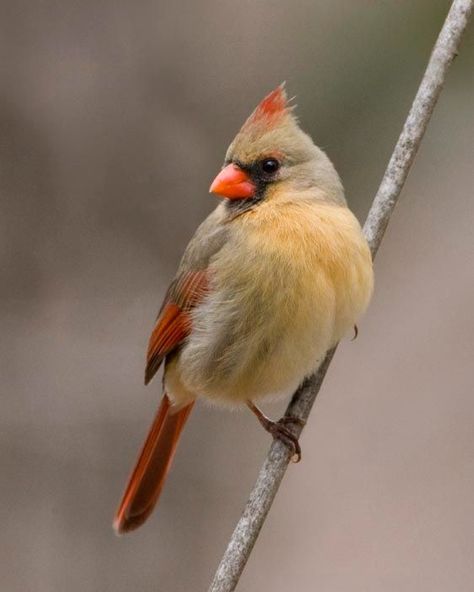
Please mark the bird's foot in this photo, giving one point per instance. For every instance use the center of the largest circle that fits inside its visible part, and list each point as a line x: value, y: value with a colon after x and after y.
x: 279, y: 431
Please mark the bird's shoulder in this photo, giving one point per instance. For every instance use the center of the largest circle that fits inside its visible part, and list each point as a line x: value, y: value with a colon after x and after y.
x: 209, y: 238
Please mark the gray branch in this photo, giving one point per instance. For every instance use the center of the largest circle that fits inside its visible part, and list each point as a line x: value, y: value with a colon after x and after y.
x: 276, y: 463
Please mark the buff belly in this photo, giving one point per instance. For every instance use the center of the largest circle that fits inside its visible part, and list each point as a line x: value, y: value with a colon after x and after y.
x: 273, y: 311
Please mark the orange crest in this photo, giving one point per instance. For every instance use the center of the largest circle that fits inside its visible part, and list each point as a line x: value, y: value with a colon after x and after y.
x: 271, y: 108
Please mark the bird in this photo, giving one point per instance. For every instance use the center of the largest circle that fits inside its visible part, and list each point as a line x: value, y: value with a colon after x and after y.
x: 272, y: 279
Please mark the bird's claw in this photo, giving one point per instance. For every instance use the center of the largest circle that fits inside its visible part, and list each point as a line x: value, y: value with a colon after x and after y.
x: 280, y: 432
x: 286, y: 419
x: 356, y: 333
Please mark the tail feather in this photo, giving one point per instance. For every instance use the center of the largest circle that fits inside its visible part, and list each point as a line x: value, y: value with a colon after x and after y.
x: 149, y: 474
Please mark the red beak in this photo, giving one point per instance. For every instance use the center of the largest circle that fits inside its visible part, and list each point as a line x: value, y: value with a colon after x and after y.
x: 234, y: 183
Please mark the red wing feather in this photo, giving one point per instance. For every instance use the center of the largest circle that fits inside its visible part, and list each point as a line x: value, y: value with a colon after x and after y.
x: 171, y: 328
x: 173, y: 324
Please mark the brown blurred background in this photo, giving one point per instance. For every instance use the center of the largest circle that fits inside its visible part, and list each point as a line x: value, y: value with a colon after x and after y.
x: 114, y: 118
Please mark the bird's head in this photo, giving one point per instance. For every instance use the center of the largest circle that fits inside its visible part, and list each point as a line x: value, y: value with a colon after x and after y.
x: 272, y: 158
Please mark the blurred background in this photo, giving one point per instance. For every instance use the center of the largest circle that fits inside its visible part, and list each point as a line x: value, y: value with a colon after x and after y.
x: 114, y: 118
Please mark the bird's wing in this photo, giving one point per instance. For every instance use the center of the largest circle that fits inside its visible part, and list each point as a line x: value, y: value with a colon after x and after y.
x: 173, y: 324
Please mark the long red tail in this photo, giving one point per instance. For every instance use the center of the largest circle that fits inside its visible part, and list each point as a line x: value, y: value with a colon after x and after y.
x: 149, y: 474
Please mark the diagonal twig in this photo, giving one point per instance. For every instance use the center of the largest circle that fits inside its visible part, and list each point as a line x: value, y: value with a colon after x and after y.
x: 276, y: 463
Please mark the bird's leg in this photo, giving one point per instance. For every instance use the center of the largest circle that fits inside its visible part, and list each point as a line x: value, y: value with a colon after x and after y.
x: 278, y: 430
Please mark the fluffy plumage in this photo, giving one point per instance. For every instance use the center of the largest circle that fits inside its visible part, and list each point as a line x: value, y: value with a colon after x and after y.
x: 271, y: 281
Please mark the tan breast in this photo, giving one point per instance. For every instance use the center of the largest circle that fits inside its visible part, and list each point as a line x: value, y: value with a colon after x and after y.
x: 288, y: 284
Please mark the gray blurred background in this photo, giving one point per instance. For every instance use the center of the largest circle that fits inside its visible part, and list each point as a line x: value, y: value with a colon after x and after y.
x: 114, y: 118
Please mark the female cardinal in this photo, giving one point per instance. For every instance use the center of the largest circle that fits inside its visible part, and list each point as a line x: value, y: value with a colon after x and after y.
x: 272, y: 279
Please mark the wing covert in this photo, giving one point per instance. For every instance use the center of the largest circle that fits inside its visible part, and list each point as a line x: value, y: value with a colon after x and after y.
x: 173, y: 324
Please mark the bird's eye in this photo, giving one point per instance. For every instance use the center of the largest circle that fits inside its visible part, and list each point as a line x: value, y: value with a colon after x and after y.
x: 269, y: 165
